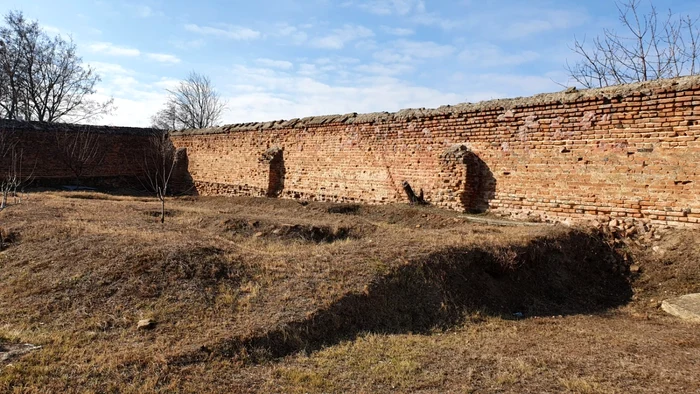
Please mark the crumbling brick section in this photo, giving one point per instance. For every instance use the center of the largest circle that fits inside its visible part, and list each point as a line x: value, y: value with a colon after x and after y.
x: 626, y: 152
x: 274, y: 159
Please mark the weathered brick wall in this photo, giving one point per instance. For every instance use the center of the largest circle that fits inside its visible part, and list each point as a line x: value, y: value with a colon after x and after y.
x: 624, y: 152
x: 121, y: 150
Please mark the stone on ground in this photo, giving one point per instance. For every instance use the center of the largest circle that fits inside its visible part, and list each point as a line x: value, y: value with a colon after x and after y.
x: 686, y: 307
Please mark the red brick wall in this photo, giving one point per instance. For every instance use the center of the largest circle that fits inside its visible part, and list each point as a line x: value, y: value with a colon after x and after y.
x: 623, y: 152
x: 122, y: 149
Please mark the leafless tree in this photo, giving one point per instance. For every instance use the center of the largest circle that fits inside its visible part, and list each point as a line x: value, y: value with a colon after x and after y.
x: 194, y: 104
x: 12, y: 176
x: 166, y: 118
x: 158, y: 166
x: 652, y: 47
x: 80, y: 150
x: 43, y: 78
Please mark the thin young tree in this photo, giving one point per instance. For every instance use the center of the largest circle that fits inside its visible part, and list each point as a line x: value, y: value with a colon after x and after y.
x: 158, y: 166
x: 12, y: 174
x: 193, y: 104
x: 651, y: 46
x: 43, y: 78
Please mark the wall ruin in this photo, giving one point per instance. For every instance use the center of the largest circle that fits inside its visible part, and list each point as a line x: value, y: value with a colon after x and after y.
x: 629, y: 151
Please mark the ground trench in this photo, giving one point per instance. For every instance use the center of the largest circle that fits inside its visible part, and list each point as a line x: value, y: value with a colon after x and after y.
x: 572, y: 274
x: 313, y: 233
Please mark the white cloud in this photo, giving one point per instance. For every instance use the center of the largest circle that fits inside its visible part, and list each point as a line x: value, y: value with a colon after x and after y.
x: 225, y: 31
x: 143, y: 11
x: 281, y: 64
x: 341, y: 36
x: 163, y: 58
x: 280, y: 95
x: 295, y: 34
x: 406, y: 51
x: 389, y: 7
x: 110, y: 68
x: 412, y: 10
x: 384, y: 69
x: 110, y: 49
x: 489, y: 55
x: 167, y: 83
x: 398, y: 31
x: 136, y: 100
x: 188, y: 44
x: 545, y: 20
x: 51, y: 30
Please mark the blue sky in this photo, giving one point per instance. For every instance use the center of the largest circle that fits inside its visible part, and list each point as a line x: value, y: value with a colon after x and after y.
x: 292, y: 58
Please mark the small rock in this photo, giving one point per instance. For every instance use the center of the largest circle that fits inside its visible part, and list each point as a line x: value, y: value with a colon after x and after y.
x: 258, y: 235
x: 635, y: 269
x: 686, y: 307
x: 418, y: 225
x: 613, y: 223
x: 145, y: 324
x: 277, y: 231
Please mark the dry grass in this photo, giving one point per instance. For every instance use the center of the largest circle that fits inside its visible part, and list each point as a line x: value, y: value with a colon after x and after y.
x: 272, y: 296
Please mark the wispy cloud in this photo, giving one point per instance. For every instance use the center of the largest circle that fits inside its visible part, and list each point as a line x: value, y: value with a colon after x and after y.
x: 414, y: 11
x: 163, y: 58
x: 545, y: 20
x: 225, y: 31
x: 422, y: 49
x: 188, y: 44
x: 340, y: 37
x: 489, y: 55
x: 389, y: 7
x: 296, y: 34
x: 281, y: 64
x: 110, y: 49
x: 398, y: 31
x: 143, y: 11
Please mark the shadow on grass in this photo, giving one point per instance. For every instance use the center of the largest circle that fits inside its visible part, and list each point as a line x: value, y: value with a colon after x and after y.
x: 575, y: 274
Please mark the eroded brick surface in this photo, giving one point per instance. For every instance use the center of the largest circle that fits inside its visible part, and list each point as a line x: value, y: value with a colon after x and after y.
x: 625, y: 152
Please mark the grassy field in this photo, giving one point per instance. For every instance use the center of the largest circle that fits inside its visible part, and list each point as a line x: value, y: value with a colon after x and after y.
x: 264, y: 295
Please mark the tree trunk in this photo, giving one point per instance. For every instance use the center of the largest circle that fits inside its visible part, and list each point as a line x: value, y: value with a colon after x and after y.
x: 162, y: 209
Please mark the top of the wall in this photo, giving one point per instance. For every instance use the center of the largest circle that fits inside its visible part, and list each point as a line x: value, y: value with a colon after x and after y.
x: 570, y: 95
x: 18, y: 125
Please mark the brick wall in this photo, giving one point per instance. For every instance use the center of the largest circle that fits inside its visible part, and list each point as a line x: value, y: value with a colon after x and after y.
x: 628, y: 152
x: 120, y: 151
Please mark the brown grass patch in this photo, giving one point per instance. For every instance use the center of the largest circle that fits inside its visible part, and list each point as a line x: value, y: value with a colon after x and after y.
x: 348, y: 299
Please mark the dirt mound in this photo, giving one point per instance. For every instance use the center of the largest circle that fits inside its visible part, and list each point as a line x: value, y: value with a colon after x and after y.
x: 666, y: 268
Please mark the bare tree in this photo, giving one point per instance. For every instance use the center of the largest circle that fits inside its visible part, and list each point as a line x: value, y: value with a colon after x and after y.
x: 12, y: 176
x: 158, y: 166
x: 166, y: 118
x: 43, y: 79
x: 80, y: 150
x: 651, y: 47
x: 194, y: 104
